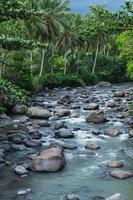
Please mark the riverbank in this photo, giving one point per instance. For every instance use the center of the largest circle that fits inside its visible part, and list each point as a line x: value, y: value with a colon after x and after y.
x: 89, y: 145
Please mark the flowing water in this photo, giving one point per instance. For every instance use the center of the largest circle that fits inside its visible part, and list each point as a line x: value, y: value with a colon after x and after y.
x: 85, y: 173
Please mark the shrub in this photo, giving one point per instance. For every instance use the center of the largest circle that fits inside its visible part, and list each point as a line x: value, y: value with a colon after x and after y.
x: 59, y: 79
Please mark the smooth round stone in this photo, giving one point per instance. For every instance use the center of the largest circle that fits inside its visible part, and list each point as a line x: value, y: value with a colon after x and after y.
x: 64, y: 133
x: 20, y: 170
x: 121, y: 174
x: 113, y: 132
x: 115, y: 164
x: 71, y: 197
x: 131, y: 133
x: 91, y: 145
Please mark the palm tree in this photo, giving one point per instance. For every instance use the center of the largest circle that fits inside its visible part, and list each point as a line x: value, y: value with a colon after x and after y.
x: 52, y: 23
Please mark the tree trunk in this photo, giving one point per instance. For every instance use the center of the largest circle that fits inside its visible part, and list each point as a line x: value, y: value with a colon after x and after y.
x: 52, y: 68
x: 42, y: 63
x: 65, y: 65
x: 95, y: 61
x: 108, y: 51
x: 31, y: 61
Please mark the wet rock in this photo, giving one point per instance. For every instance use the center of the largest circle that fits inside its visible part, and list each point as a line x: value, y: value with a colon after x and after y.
x: 111, y: 104
x: 115, y: 164
x: 43, y: 123
x: 39, y: 113
x: 131, y: 133
x: 113, y: 132
x: 65, y: 99
x: 18, y: 147
x: 104, y: 84
x: 49, y: 160
x: 92, y: 145
x: 23, y: 192
x: 96, y: 118
x: 32, y: 143
x: 119, y: 94
x: 93, y: 106
x: 75, y: 106
x: 5, y: 145
x: 36, y: 135
x: 59, y: 125
x: 115, y: 197
x: 64, y: 133
x: 98, y: 198
x: 121, y: 174
x: 71, y: 197
x: 63, y: 112
x: 20, y: 170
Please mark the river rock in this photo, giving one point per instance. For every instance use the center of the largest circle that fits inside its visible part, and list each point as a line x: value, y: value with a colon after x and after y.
x: 20, y: 170
x: 92, y: 145
x: 121, y: 174
x: 36, y: 135
x: 119, y: 94
x: 43, y: 123
x: 93, y: 106
x: 32, y: 143
x: 39, y: 113
x: 131, y: 133
x: 24, y: 192
x: 63, y: 112
x: 71, y: 197
x: 111, y: 104
x: 65, y: 99
x: 104, y: 84
x: 96, y: 118
x: 113, y: 132
x: 59, y: 125
x: 115, y: 197
x: 98, y: 198
x: 115, y: 164
x: 49, y: 160
x: 64, y: 133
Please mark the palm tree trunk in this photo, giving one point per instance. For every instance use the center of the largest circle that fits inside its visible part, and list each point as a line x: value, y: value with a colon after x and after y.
x: 42, y: 63
x: 65, y: 65
x: 95, y: 61
x: 31, y: 61
x: 52, y: 68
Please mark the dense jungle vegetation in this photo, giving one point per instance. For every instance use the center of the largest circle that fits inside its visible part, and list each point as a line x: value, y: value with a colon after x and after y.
x: 42, y: 43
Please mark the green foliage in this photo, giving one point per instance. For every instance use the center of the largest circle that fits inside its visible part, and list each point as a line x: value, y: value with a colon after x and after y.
x: 13, y: 93
x: 2, y: 110
x: 130, y: 70
x: 59, y: 79
x: 17, y: 43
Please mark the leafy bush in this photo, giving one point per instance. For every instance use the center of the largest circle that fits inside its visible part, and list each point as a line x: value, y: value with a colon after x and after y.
x: 59, y: 79
x: 2, y: 110
x: 14, y: 95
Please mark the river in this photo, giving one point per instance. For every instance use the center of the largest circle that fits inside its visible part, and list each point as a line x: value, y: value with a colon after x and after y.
x: 86, y: 173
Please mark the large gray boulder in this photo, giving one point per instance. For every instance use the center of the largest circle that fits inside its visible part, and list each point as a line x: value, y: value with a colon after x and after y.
x: 39, y: 113
x: 63, y: 112
x: 64, y: 133
x: 96, y: 118
x: 49, y: 160
x: 113, y: 132
x: 121, y: 174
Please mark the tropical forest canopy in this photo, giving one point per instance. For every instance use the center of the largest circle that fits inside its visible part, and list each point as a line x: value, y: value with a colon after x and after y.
x: 43, y: 43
